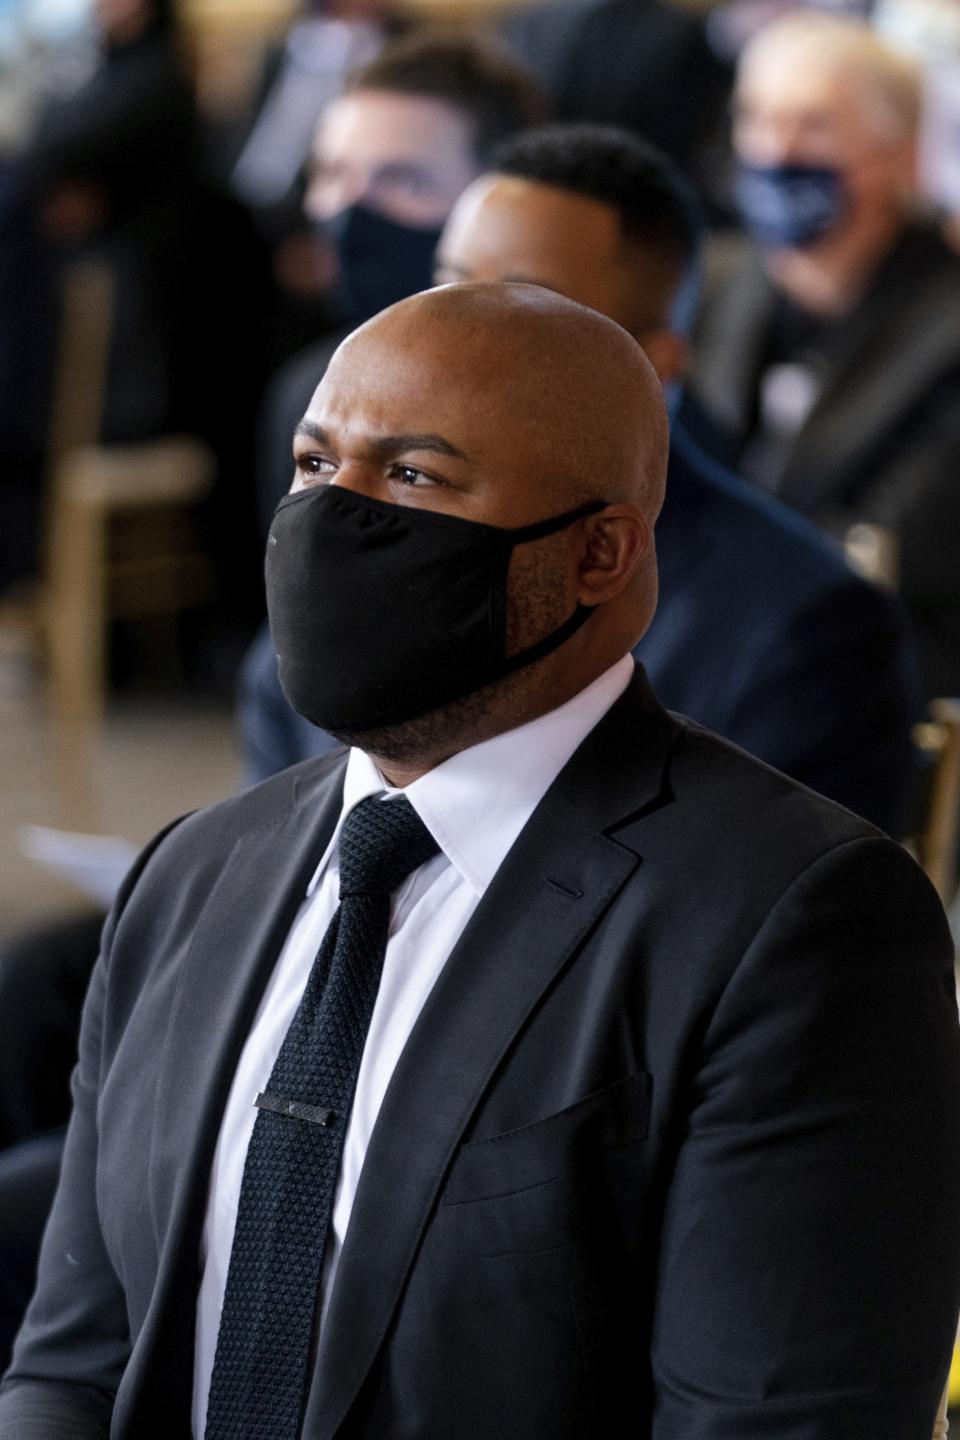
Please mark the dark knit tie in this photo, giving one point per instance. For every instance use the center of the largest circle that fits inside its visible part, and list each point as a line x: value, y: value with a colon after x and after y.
x: 258, y: 1386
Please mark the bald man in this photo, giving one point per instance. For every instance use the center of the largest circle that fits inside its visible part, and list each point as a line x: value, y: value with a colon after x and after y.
x: 619, y: 1095
x: 828, y: 353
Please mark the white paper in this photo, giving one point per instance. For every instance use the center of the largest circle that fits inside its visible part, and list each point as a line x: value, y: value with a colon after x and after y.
x: 95, y: 864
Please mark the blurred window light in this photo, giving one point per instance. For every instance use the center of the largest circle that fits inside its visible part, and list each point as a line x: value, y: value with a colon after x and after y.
x: 55, y: 22
x: 940, y: 135
x: 929, y: 30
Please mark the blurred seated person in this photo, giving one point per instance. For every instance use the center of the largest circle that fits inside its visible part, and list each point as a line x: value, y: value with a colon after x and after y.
x: 327, y: 42
x: 829, y: 348
x: 110, y: 171
x: 642, y: 64
x: 43, y: 980
x: 762, y: 633
x: 390, y: 156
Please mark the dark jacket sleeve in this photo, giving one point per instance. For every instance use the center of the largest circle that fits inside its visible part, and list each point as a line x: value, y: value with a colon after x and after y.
x: 810, y: 1255
x: 832, y: 701
x: 74, y: 1343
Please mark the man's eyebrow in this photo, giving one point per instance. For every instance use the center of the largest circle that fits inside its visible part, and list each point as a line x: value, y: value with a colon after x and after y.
x: 388, y: 447
x: 312, y: 432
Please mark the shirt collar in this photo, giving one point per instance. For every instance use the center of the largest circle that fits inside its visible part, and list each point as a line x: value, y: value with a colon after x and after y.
x: 476, y: 803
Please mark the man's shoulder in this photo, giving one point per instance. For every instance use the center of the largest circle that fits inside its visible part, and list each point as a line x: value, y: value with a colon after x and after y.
x: 262, y: 805
x: 750, y: 800
x: 194, y: 849
x: 787, y: 557
x: 746, y: 831
x: 720, y: 832
x: 706, y: 786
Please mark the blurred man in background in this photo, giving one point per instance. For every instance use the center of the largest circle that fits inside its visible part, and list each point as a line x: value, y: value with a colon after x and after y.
x: 265, y: 155
x: 110, y: 172
x: 829, y: 350
x: 389, y: 158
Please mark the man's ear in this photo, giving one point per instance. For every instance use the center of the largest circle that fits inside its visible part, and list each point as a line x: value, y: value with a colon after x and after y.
x: 668, y: 353
x: 616, y: 543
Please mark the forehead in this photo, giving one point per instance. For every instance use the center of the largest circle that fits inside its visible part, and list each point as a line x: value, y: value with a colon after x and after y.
x: 380, y: 127
x: 800, y: 82
x: 514, y: 413
x: 396, y: 379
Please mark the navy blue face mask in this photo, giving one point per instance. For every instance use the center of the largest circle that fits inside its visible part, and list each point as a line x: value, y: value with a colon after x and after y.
x: 788, y: 206
x: 381, y: 613
x: 380, y: 260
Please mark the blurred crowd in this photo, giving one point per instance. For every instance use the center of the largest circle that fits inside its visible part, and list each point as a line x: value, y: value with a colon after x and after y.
x: 765, y: 194
x: 821, y: 139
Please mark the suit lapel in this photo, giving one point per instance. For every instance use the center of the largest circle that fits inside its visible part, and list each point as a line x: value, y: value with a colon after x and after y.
x: 234, y: 948
x: 560, y: 877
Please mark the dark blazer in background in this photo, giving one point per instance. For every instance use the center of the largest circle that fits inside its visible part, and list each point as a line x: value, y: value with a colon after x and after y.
x: 641, y: 64
x: 765, y: 635
x: 761, y: 633
x: 882, y: 442
x: 673, y: 1149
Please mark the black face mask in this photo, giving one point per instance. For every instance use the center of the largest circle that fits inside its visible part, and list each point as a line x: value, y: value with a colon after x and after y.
x: 380, y: 260
x: 381, y: 613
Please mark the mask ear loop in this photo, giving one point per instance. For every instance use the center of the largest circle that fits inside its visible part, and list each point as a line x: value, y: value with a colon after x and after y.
x: 540, y: 528
x: 550, y: 642
x: 523, y: 535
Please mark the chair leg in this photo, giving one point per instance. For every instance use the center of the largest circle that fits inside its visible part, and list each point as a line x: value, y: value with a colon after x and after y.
x: 76, y: 616
x: 940, y: 1425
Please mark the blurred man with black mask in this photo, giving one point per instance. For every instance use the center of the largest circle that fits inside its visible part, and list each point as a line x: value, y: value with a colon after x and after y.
x: 390, y: 157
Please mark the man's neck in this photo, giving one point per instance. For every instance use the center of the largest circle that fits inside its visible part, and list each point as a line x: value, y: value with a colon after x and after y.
x: 401, y: 773
x: 830, y: 277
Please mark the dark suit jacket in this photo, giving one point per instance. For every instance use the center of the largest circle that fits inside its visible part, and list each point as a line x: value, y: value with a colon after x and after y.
x: 762, y: 633
x: 882, y: 442
x: 642, y: 64
x: 672, y: 1149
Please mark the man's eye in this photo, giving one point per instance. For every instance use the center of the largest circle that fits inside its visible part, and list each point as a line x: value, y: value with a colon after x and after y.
x: 410, y: 475
x: 314, y: 465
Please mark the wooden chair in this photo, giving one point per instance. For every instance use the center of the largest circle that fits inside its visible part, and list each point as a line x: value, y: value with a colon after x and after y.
x: 873, y: 551
x: 119, y: 542
x: 941, y: 1425
x: 935, y: 841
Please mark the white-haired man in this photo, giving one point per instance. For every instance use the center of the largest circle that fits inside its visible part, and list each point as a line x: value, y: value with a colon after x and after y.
x: 830, y: 350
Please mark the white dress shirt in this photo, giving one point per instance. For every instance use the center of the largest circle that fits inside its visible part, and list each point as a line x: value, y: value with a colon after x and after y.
x: 475, y: 805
